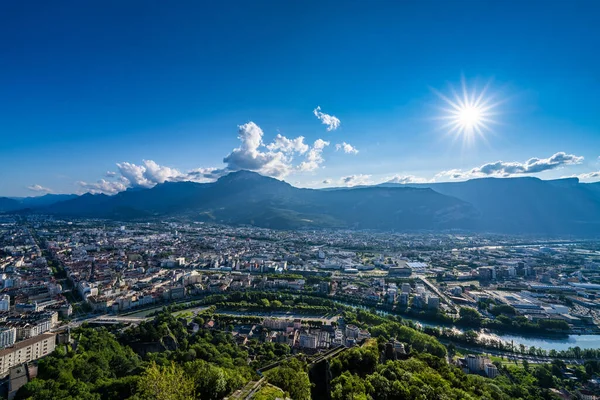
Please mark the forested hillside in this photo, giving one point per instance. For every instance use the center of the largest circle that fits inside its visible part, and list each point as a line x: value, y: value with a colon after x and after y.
x: 210, y: 365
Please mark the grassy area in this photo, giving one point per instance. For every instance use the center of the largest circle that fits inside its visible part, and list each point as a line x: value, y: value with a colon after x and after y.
x: 269, y: 392
x: 184, y: 314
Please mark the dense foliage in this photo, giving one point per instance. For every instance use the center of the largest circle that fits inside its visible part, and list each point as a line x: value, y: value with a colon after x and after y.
x: 206, y: 365
x: 291, y: 376
x: 172, y: 362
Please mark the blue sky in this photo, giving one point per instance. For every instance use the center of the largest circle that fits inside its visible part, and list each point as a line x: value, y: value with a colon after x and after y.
x: 153, y: 91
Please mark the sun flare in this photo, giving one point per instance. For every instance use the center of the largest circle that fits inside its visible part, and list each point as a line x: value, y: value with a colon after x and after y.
x: 469, y: 114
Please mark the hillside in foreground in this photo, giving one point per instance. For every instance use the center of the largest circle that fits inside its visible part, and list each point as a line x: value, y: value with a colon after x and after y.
x: 211, y: 364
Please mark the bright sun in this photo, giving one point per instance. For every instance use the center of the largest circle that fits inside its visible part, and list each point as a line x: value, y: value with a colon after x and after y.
x: 469, y: 114
x: 469, y: 118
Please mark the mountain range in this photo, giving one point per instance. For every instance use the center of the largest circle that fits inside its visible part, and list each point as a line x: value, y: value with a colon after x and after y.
x: 502, y: 205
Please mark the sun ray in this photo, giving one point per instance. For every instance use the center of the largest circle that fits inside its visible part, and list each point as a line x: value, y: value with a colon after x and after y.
x: 469, y: 113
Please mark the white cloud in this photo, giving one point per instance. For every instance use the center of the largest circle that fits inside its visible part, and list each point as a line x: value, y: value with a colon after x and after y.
x: 159, y: 174
x: 589, y: 176
x: 249, y: 155
x: 314, y: 157
x: 348, y: 148
x: 331, y: 121
x: 506, y: 169
x: 148, y: 174
x: 452, y: 174
x: 102, y: 187
x: 274, y: 159
x: 288, y: 145
x: 404, y: 179
x: 39, y: 189
x: 134, y: 174
x: 354, y: 180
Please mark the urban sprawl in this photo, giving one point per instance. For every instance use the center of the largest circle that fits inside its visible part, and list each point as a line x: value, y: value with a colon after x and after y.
x: 59, y: 274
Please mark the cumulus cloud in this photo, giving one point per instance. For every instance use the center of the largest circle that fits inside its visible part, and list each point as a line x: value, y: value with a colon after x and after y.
x: 286, y: 145
x: 250, y: 155
x: 39, y: 189
x: 346, y: 147
x: 102, y: 187
x: 505, y: 169
x: 274, y: 159
x: 404, y: 179
x: 148, y: 174
x: 331, y: 121
x: 314, y: 157
x: 354, y: 180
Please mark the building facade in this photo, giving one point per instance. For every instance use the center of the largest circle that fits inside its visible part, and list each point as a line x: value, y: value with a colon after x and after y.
x: 26, y: 351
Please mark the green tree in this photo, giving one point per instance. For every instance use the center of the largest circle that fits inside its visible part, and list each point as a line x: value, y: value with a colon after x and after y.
x: 292, y: 378
x: 470, y: 317
x: 165, y: 383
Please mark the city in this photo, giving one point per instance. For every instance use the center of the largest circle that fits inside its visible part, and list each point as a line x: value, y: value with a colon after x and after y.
x: 279, y: 286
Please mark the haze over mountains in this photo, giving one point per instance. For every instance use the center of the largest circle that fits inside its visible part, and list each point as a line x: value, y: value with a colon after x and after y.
x: 507, y: 205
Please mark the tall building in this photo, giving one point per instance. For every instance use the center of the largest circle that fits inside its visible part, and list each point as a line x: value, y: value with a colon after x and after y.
x: 491, y: 370
x: 487, y: 273
x: 5, y: 303
x: 475, y: 363
x: 404, y: 299
x: 352, y: 331
x: 8, y: 337
x: 324, y: 287
x: 433, y: 302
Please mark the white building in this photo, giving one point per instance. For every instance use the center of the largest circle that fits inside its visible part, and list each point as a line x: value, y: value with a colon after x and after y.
x: 308, y: 341
x: 406, y: 288
x: 86, y: 289
x: 29, y: 330
x: 352, y: 331
x: 26, y: 351
x: 475, y: 363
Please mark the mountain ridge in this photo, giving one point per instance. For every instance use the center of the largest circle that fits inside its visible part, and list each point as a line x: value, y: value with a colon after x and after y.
x: 503, y: 205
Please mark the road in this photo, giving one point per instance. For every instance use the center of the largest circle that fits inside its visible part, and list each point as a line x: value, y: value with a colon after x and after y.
x: 441, y: 295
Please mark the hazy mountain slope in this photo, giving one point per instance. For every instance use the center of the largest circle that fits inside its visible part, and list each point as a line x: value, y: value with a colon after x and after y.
x: 249, y: 198
x: 528, y: 205
x: 45, y: 200
x: 511, y: 205
x: 7, y: 204
x: 19, y: 203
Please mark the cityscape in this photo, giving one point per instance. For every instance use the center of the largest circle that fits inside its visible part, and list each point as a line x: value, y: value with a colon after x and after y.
x: 491, y: 296
x: 300, y: 200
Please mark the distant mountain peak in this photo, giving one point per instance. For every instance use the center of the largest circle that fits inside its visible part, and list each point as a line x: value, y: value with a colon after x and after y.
x: 242, y: 174
x: 249, y: 177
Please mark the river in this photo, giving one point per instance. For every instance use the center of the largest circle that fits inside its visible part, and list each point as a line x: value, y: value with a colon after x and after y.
x: 582, y: 341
